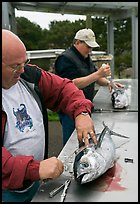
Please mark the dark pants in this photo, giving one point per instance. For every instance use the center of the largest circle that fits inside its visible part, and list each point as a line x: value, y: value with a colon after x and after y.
x: 11, y: 196
x: 68, y: 126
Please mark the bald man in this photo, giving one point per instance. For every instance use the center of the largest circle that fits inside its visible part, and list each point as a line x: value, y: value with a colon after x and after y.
x: 27, y: 92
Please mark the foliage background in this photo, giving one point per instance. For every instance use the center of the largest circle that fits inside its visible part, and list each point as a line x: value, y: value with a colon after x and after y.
x: 61, y: 33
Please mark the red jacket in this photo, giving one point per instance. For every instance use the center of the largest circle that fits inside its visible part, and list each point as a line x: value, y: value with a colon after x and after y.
x: 58, y: 94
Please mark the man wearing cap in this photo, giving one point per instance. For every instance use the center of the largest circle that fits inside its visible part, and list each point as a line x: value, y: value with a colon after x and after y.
x: 75, y: 63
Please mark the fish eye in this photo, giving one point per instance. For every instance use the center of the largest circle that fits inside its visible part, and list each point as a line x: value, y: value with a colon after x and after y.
x: 84, y: 164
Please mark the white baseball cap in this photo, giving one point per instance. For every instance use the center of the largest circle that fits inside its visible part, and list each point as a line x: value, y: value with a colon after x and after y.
x: 88, y: 36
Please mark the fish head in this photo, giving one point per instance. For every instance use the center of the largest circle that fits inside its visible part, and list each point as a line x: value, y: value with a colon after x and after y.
x: 119, y: 98
x: 87, y: 165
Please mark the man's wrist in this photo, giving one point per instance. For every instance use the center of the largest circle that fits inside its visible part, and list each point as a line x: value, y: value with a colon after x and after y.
x: 83, y: 109
x: 84, y: 113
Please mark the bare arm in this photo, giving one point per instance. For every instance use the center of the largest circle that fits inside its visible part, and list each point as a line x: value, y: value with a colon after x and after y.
x: 103, y: 81
x: 85, y: 81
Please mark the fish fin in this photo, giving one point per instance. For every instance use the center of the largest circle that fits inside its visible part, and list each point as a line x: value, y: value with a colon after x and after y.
x: 119, y: 143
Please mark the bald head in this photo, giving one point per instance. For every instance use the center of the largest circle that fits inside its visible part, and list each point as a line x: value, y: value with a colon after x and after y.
x: 12, y: 47
x: 13, y: 54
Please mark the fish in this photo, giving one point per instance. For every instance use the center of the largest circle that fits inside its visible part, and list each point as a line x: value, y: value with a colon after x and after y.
x: 119, y: 98
x: 92, y: 161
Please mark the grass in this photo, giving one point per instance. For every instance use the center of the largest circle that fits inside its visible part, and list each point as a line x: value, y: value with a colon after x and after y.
x: 53, y: 116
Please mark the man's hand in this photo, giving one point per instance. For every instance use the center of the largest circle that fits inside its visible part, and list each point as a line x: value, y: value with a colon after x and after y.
x: 104, y: 71
x: 85, y: 127
x: 50, y: 168
x: 116, y: 85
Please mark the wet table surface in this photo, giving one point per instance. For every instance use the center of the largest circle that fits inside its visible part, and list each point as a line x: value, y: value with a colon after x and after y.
x: 118, y: 184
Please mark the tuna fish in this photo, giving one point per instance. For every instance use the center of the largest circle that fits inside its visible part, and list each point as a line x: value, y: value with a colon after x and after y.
x: 119, y: 98
x: 94, y: 160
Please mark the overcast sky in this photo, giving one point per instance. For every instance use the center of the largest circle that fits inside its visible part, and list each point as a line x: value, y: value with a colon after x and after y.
x: 44, y: 19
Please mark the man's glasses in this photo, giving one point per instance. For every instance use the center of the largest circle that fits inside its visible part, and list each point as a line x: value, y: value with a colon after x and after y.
x: 16, y: 67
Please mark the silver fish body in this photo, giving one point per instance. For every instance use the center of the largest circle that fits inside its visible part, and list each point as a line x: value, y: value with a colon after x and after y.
x: 119, y: 98
x: 91, y: 161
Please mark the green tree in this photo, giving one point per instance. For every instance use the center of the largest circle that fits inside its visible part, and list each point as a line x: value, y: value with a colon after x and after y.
x: 30, y: 33
x: 61, y: 34
x: 123, y: 47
